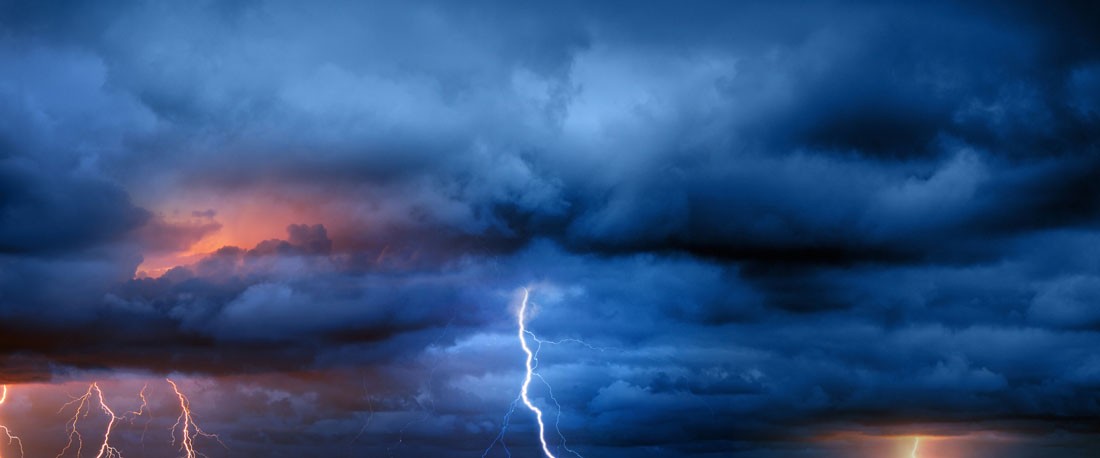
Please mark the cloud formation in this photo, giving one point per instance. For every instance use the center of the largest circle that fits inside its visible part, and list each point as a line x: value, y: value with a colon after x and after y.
x: 774, y: 224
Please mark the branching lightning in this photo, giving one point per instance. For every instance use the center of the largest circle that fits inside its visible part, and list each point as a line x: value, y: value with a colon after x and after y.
x: 83, y: 407
x: 531, y: 364
x: 527, y: 378
x: 503, y: 430
x: 93, y: 398
x: 557, y: 419
x: 70, y: 426
x: 916, y: 445
x: 12, y: 439
x: 185, y: 423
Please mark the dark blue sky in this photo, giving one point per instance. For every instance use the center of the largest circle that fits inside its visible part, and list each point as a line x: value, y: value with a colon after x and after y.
x: 783, y: 229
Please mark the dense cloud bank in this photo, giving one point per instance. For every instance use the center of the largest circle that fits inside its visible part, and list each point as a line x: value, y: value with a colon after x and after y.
x: 771, y: 223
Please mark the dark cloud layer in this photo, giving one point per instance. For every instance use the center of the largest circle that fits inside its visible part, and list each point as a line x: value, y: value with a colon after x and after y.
x: 772, y: 224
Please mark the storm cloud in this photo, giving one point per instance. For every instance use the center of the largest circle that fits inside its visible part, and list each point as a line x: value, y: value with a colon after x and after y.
x: 773, y: 226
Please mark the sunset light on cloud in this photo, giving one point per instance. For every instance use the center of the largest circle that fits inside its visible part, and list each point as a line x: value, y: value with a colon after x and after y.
x: 575, y: 229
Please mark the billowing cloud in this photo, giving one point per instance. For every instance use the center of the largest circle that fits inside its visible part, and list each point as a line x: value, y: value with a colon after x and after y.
x: 779, y: 230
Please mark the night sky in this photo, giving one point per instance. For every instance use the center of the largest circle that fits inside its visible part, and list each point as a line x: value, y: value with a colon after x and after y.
x: 747, y: 229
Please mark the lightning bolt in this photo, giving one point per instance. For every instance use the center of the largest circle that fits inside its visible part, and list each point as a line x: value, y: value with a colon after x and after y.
x: 916, y: 445
x: 93, y: 398
x: 84, y: 406
x: 530, y: 369
x: 141, y: 410
x: 557, y: 419
x: 503, y: 429
x: 144, y: 404
x: 70, y: 426
x: 531, y: 364
x: 7, y: 432
x: 188, y: 429
x: 106, y: 450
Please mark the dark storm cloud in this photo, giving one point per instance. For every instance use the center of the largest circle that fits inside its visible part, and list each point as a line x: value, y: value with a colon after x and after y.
x: 50, y: 211
x: 720, y: 131
x: 62, y: 222
x: 771, y: 222
x: 276, y: 305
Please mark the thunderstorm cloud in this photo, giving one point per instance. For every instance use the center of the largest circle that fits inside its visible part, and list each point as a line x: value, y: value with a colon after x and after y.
x: 774, y: 226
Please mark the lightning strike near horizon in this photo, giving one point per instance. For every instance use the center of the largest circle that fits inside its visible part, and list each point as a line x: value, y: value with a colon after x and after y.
x: 916, y: 445
x: 189, y: 430
x: 12, y: 439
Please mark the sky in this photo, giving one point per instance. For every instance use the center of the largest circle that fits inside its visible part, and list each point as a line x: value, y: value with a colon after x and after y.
x: 746, y: 229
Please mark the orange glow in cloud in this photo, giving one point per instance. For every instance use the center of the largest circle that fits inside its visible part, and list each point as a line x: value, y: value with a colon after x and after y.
x: 245, y: 219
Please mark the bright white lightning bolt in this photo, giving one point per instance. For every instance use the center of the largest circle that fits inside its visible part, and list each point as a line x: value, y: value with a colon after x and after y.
x: 531, y: 364
x: 11, y: 438
x: 916, y: 445
x: 527, y: 378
